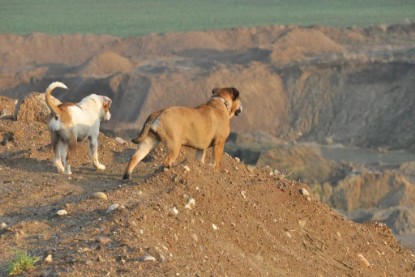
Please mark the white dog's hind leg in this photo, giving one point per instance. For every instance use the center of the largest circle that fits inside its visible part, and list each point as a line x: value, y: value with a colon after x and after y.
x: 93, y: 148
x: 143, y: 149
x: 70, y: 151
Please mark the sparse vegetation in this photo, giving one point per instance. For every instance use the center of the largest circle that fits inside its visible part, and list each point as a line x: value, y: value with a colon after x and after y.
x: 129, y: 18
x: 21, y: 263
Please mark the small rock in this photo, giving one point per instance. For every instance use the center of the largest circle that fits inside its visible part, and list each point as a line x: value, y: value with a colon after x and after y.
x: 62, y: 212
x: 250, y: 168
x: 103, y: 240
x: 175, y: 211
x: 288, y: 234
x: 214, y: 227
x: 237, y: 159
x: 3, y: 226
x: 186, y: 168
x: 147, y: 259
x: 304, y: 192
x: 100, y: 195
x: 112, y: 208
x: 48, y: 259
x: 302, y: 223
x: 84, y: 250
x: 120, y: 140
x: 363, y: 259
x: 190, y: 203
x: 243, y: 193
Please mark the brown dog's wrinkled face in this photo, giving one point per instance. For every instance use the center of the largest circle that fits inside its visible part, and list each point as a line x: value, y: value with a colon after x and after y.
x: 231, y: 95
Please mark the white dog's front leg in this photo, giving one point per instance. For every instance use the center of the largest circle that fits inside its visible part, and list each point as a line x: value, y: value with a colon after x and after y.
x: 59, y: 152
x: 93, y: 147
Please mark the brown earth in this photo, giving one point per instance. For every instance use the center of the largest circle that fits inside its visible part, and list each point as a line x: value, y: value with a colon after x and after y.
x: 245, y: 221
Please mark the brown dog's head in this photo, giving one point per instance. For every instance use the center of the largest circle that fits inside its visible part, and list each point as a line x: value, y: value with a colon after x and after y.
x: 232, y: 99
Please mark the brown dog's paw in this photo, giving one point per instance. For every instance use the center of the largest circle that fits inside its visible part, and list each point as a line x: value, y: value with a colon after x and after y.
x: 126, y: 176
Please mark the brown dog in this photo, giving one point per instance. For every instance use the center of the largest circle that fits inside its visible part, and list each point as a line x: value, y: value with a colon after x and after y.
x: 200, y: 128
x: 70, y: 122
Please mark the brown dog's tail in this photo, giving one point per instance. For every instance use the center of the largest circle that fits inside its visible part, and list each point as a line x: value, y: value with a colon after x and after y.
x: 52, y: 106
x: 146, y: 128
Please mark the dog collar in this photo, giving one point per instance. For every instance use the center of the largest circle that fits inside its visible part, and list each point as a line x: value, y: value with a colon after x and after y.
x: 223, y: 101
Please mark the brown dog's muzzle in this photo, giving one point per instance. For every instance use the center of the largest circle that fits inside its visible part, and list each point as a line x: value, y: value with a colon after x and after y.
x: 238, y: 111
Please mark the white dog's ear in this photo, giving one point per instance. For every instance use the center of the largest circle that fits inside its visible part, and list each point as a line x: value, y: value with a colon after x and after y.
x: 108, y: 100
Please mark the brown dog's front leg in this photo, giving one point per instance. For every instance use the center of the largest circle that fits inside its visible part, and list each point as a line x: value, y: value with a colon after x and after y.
x: 218, y: 152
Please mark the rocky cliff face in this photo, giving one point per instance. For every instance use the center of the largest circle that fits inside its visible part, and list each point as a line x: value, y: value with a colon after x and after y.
x: 312, y: 84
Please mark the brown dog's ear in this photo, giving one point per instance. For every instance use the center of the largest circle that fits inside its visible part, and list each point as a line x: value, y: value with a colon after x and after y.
x: 235, y: 93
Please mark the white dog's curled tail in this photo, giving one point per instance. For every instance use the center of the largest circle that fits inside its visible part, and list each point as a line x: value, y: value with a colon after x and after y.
x: 52, y: 106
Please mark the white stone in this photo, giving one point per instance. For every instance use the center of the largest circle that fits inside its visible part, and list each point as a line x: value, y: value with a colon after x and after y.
x: 3, y: 225
x: 190, y: 203
x: 100, y: 195
x: 112, y: 208
x: 175, y: 211
x: 48, y: 259
x: 304, y: 192
x: 147, y: 259
x: 120, y: 140
x: 62, y: 212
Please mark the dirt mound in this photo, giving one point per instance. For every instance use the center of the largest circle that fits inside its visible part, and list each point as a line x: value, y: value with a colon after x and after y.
x: 377, y: 190
x: 41, y: 48
x: 7, y: 106
x: 106, y: 63
x: 299, y: 44
x: 294, y: 162
x: 33, y: 108
x: 188, y: 220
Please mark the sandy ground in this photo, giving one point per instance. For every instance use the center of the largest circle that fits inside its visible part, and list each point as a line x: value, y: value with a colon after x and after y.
x: 242, y: 221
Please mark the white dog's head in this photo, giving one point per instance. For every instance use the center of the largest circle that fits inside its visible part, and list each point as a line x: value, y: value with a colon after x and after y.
x: 105, y: 111
x: 103, y: 103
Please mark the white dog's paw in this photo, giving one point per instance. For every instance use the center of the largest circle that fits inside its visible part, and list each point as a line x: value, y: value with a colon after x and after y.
x: 60, y: 167
x: 68, y: 170
x: 99, y: 166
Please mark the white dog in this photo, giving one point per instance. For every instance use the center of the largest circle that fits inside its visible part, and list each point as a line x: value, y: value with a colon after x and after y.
x: 70, y: 122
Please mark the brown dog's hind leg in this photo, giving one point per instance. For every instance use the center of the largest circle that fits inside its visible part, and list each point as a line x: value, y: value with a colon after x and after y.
x: 173, y: 151
x: 143, y: 149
